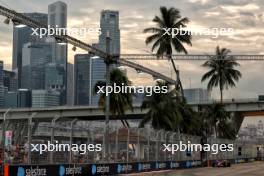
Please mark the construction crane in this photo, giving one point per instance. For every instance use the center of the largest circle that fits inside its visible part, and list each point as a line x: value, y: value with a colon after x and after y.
x: 19, y: 18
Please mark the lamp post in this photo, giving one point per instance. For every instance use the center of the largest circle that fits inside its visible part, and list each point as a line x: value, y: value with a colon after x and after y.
x: 107, y: 98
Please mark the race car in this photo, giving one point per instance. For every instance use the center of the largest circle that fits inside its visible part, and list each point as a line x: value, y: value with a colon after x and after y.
x: 221, y: 163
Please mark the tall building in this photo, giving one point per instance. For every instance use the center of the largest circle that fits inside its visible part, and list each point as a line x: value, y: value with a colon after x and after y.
x: 197, y: 95
x: 109, y: 24
x: 82, y: 77
x: 70, y: 85
x: 35, y: 56
x: 2, y: 88
x: 54, y: 80
x: 22, y: 36
x: 10, y: 80
x: 18, y: 99
x: 57, y: 18
x: 87, y: 72
x: 45, y: 98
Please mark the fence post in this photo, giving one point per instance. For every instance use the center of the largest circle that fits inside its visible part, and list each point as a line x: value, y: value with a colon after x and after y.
x: 157, y: 145
x: 166, y: 144
x: 116, y: 143
x: 138, y: 145
x: 29, y: 136
x: 53, y: 123
x: 71, y: 139
x: 128, y: 134
x: 148, y: 143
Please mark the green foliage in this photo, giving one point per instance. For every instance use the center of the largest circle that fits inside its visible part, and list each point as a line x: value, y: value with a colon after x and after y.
x: 119, y: 102
x: 222, y: 71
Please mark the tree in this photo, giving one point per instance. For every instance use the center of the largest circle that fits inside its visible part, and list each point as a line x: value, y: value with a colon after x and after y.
x: 162, y: 112
x: 119, y: 102
x: 217, y: 121
x: 165, y: 43
x: 222, y: 71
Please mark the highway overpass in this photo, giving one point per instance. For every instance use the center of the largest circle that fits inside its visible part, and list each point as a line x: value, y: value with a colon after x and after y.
x: 241, y: 107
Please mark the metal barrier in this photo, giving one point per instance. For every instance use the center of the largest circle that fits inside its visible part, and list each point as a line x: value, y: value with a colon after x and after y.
x: 127, y: 145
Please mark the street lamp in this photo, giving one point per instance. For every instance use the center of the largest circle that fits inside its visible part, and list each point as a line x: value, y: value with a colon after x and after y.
x: 7, y: 21
x: 107, y: 98
x: 74, y: 48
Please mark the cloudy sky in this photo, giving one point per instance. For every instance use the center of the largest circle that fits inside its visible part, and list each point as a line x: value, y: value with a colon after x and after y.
x: 246, y: 17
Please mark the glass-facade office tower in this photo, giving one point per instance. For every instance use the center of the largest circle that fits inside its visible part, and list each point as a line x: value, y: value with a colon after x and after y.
x: 10, y: 80
x: 22, y: 36
x: 87, y: 72
x: 197, y: 95
x: 70, y: 84
x: 54, y: 79
x: 109, y: 24
x: 57, y: 18
x: 2, y: 88
x: 45, y: 98
x: 96, y: 71
x: 34, y: 59
x: 18, y: 99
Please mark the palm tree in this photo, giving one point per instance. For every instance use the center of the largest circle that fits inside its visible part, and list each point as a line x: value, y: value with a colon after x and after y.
x: 162, y: 112
x: 215, y: 114
x: 119, y: 102
x: 165, y: 43
x: 222, y: 71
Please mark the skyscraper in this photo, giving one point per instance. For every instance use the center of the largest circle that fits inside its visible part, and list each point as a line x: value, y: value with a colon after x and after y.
x: 54, y: 79
x: 18, y: 99
x: 35, y: 55
x: 70, y: 84
x: 82, y: 86
x: 22, y: 36
x: 10, y: 80
x: 87, y: 72
x: 57, y: 18
x: 45, y: 98
x: 109, y: 24
x: 86, y: 78
x: 2, y: 88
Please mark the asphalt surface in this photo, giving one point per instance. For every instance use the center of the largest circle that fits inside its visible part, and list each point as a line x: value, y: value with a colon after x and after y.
x: 246, y: 169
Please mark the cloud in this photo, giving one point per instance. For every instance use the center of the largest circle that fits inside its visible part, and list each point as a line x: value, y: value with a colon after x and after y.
x: 245, y: 16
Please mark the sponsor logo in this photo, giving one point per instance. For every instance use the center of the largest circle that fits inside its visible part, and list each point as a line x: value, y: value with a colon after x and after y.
x: 124, y: 168
x: 69, y: 171
x: 31, y: 172
x: 160, y: 165
x: 174, y: 165
x: 20, y: 171
x: 62, y: 171
x: 144, y: 166
x: 100, y: 169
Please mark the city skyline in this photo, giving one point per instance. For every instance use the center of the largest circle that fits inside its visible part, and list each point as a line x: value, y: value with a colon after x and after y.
x: 136, y: 19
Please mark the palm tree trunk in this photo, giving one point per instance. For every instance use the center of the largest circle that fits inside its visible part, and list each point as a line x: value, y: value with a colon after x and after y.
x: 221, y: 94
x: 178, y: 81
